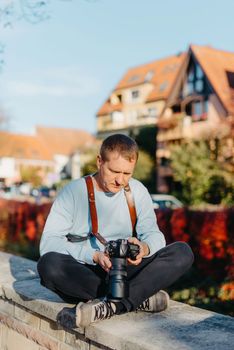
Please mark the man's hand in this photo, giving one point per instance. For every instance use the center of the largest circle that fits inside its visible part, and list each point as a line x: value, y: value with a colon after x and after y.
x: 144, y: 251
x: 103, y: 260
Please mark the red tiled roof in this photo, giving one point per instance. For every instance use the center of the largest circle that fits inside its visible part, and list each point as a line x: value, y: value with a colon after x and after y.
x: 65, y: 141
x: 161, y: 74
x: 23, y: 147
x: 157, y: 73
x: 216, y: 64
x: 107, y: 108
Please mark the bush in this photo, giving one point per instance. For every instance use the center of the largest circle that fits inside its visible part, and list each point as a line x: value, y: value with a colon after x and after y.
x: 209, y: 284
x: 202, y: 177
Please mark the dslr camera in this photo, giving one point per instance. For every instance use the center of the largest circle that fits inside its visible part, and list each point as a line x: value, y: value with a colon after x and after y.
x: 118, y: 252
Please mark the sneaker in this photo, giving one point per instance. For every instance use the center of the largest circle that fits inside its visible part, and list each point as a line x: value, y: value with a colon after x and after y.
x: 67, y: 317
x: 158, y: 302
x: 94, y: 311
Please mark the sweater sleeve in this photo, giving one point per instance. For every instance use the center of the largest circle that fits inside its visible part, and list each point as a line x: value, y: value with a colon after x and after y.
x: 147, y: 227
x: 58, y: 225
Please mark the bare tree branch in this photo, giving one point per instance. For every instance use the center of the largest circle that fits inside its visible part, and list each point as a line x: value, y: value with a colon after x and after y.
x: 32, y: 11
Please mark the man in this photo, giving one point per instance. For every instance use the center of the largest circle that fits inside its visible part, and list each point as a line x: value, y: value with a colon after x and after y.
x: 77, y: 270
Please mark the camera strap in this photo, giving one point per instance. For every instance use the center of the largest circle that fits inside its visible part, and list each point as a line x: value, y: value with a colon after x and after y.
x: 131, y: 208
x: 93, y: 211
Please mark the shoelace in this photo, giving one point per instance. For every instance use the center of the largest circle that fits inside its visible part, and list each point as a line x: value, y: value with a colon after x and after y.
x: 144, y: 306
x: 104, y: 310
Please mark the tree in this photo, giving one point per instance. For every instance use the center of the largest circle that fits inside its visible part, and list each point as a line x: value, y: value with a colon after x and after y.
x: 32, y: 11
x: 202, y: 177
x: 146, y: 140
x: 144, y: 170
x: 32, y: 175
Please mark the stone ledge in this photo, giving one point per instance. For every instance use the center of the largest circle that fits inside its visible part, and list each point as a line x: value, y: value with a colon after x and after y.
x: 180, y: 327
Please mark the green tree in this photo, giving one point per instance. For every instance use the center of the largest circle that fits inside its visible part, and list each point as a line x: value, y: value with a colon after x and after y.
x: 146, y: 140
x: 145, y: 170
x: 90, y: 166
x: 202, y: 177
x: 32, y: 175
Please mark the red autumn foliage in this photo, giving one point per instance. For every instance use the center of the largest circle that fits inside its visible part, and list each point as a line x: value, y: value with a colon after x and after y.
x: 209, y: 233
x: 179, y: 225
x: 22, y: 218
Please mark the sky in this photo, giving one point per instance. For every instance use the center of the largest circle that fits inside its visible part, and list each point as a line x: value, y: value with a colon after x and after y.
x: 60, y: 71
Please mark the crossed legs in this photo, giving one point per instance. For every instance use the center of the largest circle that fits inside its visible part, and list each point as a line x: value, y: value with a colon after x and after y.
x: 75, y: 282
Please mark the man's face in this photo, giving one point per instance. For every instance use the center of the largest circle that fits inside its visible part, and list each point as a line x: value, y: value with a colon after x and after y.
x: 115, y: 172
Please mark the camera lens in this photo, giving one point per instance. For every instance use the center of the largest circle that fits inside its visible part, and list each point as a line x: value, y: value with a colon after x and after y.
x: 118, y: 285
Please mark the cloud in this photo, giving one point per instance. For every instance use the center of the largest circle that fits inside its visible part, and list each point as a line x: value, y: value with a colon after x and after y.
x: 58, y: 82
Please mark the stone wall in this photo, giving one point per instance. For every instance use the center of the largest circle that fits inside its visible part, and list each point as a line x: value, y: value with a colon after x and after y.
x: 28, y: 314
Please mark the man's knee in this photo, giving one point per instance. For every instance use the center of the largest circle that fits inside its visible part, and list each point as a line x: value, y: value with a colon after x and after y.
x: 183, y: 255
x: 47, y: 267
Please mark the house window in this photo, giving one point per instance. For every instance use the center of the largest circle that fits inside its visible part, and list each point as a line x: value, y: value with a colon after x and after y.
x: 197, y: 110
x: 119, y: 96
x: 163, y: 86
x: 135, y: 95
x: 199, y: 72
x: 152, y: 112
x: 190, y: 88
x: 164, y: 161
x: 133, y: 78
x: 117, y: 117
x: 199, y: 85
x: 195, y: 83
x: 149, y: 75
x: 191, y: 74
x: 230, y: 78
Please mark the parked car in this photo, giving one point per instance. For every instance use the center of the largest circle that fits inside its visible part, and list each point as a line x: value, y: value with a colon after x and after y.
x: 165, y: 201
x: 42, y: 191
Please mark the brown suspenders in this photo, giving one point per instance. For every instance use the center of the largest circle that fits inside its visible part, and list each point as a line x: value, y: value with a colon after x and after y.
x: 93, y: 212
x: 92, y: 209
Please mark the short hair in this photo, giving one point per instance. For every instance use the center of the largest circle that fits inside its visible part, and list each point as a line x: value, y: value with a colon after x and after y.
x: 122, y: 144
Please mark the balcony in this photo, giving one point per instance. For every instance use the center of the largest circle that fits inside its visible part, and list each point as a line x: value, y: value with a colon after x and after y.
x: 180, y: 125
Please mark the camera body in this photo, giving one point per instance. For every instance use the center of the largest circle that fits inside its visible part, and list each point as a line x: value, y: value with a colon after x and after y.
x: 118, y: 251
x: 121, y: 248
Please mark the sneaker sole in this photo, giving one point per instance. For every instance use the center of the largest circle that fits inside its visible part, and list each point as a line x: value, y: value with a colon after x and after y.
x: 162, y: 302
x: 67, y: 317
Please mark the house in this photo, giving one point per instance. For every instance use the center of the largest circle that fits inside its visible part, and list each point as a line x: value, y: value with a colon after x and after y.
x: 186, y: 96
x: 47, y: 152
x: 69, y: 148
x: 200, y: 106
x: 20, y: 152
x: 139, y: 97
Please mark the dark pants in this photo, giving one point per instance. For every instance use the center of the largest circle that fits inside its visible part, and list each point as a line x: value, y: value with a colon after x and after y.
x: 75, y: 282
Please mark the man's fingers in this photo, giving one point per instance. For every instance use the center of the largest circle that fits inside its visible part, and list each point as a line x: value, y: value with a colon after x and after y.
x: 135, y: 262
x: 105, y: 263
x: 133, y: 240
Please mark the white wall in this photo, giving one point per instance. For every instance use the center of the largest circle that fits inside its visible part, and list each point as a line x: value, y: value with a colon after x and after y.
x: 60, y: 162
x: 7, y: 167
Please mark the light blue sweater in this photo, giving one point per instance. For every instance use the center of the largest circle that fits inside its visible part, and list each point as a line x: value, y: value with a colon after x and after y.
x: 70, y: 214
